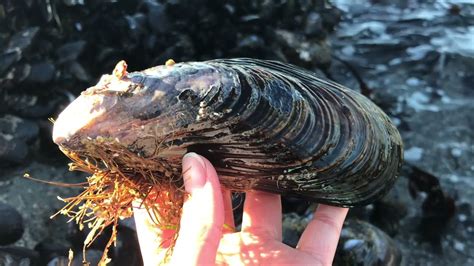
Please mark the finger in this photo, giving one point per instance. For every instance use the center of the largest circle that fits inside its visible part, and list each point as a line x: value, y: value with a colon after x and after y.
x: 203, y: 214
x: 229, y: 225
x: 153, y: 240
x: 322, y: 233
x: 262, y: 214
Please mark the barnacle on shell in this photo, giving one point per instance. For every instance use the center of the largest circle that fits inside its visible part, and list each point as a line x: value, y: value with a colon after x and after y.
x: 264, y: 125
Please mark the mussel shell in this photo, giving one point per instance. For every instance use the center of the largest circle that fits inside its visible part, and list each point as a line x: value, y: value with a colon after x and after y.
x: 364, y: 244
x: 264, y: 125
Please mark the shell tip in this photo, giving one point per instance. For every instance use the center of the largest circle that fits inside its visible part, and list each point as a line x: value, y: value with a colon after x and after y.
x: 170, y: 62
x: 120, y: 69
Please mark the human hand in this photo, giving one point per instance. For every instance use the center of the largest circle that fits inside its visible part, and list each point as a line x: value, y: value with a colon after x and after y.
x: 205, y: 235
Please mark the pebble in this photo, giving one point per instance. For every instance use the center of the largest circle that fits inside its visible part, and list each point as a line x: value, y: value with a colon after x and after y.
x: 23, y: 39
x: 15, y: 133
x: 11, y: 224
x: 50, y: 249
x: 459, y: 246
x: 70, y: 51
x: 364, y: 244
x: 18, y: 256
x: 413, y: 82
x: 314, y: 25
x: 41, y: 72
x: 413, y: 154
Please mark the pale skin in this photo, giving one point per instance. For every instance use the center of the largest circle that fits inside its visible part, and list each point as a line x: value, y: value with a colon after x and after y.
x: 206, y: 236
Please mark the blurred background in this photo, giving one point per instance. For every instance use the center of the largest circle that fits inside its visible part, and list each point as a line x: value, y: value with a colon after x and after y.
x: 414, y: 58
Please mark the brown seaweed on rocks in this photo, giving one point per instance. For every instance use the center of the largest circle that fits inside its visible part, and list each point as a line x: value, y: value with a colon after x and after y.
x: 264, y: 125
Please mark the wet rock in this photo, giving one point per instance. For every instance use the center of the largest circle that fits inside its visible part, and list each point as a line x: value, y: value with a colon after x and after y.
x: 41, y: 72
x: 251, y: 42
x: 50, y: 249
x: 128, y: 223
x: 302, y: 51
x: 76, y: 237
x: 314, y: 26
x: 331, y: 17
x: 387, y: 215
x: 157, y: 17
x: 438, y: 208
x: 29, y: 105
x: 12, y: 151
x: 14, y: 135
x: 18, y: 128
x: 17, y: 256
x: 7, y: 59
x: 127, y: 249
x: 70, y: 51
x: 20, y: 72
x: 59, y: 261
x: 137, y: 25
x: 93, y: 257
x: 364, y: 244
x: 11, y: 225
x: 78, y: 71
x: 343, y: 73
x: 23, y: 39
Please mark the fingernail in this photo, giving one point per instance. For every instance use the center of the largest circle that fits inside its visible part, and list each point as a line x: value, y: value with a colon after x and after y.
x: 194, y: 172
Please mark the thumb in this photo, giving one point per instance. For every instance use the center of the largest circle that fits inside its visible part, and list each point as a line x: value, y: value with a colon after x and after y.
x: 203, y: 214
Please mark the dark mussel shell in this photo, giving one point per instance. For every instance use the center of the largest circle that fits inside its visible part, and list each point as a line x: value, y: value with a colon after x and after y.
x: 264, y: 125
x: 364, y: 244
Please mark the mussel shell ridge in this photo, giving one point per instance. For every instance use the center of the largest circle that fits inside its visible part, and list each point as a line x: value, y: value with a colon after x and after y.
x: 264, y: 125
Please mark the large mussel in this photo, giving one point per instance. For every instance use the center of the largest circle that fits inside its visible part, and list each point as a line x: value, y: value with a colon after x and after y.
x: 264, y: 125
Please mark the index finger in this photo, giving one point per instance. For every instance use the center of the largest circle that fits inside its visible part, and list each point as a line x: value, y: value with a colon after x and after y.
x: 322, y: 234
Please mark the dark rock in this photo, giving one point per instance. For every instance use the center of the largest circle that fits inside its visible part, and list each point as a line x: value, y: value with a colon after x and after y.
x: 93, y: 257
x: 331, y: 17
x: 127, y: 250
x: 157, y: 17
x: 41, y: 72
x: 49, y: 249
x: 128, y: 223
x: 341, y: 72
x: 59, y: 261
x: 78, y: 71
x: 73, y: 2
x: 301, y: 51
x: 137, y: 25
x: 70, y: 51
x: 364, y: 244
x: 14, y: 135
x: 29, y: 105
x: 24, y: 39
x: 386, y: 215
x: 314, y: 26
x: 7, y: 59
x: 251, y: 42
x: 17, y: 256
x: 17, y: 127
x: 438, y: 208
x: 76, y: 237
x: 11, y: 225
x: 12, y: 151
x: 21, y: 72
